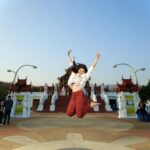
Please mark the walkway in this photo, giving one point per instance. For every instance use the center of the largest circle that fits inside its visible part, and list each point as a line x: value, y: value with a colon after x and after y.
x: 101, y: 131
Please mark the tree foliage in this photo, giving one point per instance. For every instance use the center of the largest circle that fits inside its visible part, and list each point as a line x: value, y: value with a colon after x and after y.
x: 36, y: 88
x: 144, y: 92
x: 3, y: 89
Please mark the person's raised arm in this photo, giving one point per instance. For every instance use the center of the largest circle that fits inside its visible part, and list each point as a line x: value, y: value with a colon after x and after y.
x: 95, y: 60
x: 69, y: 58
x: 90, y: 70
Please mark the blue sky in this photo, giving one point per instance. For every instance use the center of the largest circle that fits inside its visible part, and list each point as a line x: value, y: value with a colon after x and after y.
x: 40, y: 32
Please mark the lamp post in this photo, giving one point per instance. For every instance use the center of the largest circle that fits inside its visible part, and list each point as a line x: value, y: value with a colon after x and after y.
x: 9, y: 70
x: 134, y: 71
x: 16, y: 72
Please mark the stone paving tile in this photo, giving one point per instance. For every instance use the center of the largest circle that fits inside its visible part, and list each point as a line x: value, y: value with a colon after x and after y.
x: 101, y: 128
x: 73, y: 141
x: 21, y: 140
x: 128, y: 140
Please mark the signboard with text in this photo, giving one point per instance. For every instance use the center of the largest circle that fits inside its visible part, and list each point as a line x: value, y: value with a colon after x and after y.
x: 19, y: 105
x: 130, y: 105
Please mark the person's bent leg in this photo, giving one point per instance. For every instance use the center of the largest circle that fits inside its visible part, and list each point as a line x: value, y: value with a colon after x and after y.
x: 82, y: 105
x: 71, y: 107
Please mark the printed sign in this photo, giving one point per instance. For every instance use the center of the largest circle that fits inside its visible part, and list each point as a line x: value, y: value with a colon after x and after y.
x: 19, y: 105
x: 130, y: 105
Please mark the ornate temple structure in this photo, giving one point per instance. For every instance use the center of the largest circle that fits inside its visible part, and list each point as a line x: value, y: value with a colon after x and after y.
x: 127, y: 86
x: 128, y: 98
x: 21, y: 95
x: 20, y: 86
x: 55, y: 98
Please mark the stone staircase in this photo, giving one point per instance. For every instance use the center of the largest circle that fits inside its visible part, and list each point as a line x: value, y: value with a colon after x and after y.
x: 47, y: 104
x: 62, y: 103
x: 102, y: 105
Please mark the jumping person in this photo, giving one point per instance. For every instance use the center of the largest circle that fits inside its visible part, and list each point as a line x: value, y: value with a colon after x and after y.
x: 79, y: 103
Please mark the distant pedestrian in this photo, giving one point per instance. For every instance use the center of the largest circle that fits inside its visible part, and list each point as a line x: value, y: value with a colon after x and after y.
x: 141, y: 112
x: 147, y: 108
x: 7, y: 110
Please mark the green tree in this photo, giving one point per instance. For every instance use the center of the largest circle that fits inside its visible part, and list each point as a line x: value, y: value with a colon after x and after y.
x: 3, y: 89
x: 36, y: 88
x: 144, y: 92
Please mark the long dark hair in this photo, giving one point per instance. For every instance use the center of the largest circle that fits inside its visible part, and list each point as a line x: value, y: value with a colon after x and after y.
x: 83, y: 66
x: 77, y: 66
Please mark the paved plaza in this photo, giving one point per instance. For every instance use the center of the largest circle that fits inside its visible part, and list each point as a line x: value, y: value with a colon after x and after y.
x: 56, y: 131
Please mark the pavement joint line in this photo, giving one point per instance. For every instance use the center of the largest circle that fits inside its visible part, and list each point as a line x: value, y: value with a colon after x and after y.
x: 74, y: 137
x: 24, y: 140
x: 129, y: 140
x: 75, y: 142
x: 72, y: 129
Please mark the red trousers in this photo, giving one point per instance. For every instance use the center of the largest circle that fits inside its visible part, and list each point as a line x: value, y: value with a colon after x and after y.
x: 79, y: 104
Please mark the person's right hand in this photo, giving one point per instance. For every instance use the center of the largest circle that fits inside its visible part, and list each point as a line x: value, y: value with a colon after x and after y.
x: 69, y: 51
x: 97, y: 55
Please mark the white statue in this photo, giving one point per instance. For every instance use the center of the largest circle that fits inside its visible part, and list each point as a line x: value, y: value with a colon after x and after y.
x: 105, y: 98
x: 93, y: 97
x: 44, y: 97
x: 63, y: 91
x: 122, y: 112
x: 53, y: 100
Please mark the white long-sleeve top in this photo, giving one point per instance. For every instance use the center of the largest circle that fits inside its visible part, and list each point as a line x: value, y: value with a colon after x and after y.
x: 80, y: 80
